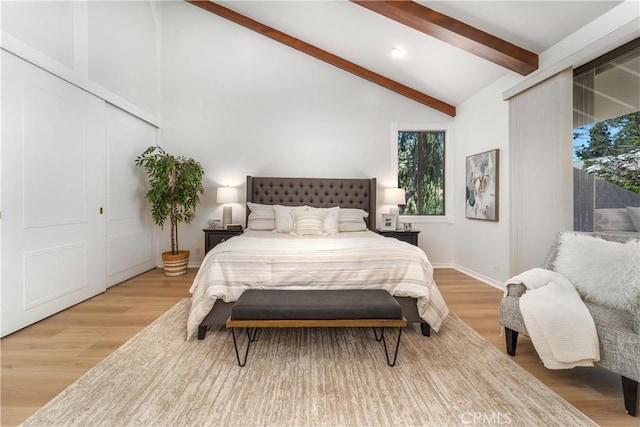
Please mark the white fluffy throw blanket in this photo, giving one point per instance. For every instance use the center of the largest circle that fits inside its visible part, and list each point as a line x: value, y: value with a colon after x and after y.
x: 559, y: 324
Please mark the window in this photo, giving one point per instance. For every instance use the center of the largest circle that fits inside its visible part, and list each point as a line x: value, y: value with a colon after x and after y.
x: 421, y: 171
x: 606, y: 140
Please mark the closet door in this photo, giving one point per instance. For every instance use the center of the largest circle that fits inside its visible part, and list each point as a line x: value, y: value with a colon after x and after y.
x: 130, y: 230
x: 53, y: 194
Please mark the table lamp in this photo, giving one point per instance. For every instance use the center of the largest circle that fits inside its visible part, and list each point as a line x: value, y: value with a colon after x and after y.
x: 395, y: 197
x: 226, y: 195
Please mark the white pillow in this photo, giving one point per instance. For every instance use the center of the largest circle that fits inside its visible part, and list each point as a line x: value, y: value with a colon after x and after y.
x: 634, y: 215
x: 284, y: 218
x: 604, y: 272
x: 308, y: 222
x: 352, y: 220
x: 262, y: 217
x: 331, y: 220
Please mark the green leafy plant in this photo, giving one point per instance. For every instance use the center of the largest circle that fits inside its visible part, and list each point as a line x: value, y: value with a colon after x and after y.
x: 612, y: 150
x: 175, y: 185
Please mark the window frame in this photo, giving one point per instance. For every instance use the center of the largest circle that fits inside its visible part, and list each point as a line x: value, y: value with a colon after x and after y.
x: 590, y: 189
x: 447, y: 128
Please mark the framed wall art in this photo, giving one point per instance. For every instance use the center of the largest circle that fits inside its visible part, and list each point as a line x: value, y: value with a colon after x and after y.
x: 483, y: 195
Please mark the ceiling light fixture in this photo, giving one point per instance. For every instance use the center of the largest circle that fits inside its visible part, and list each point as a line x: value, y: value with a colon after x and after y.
x: 396, y: 52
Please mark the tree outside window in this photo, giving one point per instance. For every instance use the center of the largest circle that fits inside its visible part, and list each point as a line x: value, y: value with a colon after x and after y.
x: 421, y: 168
x: 610, y: 149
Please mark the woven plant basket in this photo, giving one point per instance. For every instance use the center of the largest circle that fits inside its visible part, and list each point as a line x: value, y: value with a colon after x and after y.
x: 175, y: 265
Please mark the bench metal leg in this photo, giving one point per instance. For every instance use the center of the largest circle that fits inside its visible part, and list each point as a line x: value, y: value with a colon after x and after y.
x: 425, y: 328
x: 251, y: 337
x: 202, y: 331
x: 384, y: 343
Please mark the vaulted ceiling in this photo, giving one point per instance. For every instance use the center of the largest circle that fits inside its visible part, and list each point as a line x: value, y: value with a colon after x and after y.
x: 449, y: 49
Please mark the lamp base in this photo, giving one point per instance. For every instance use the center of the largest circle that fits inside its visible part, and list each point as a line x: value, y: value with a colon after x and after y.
x: 394, y: 211
x: 226, y: 216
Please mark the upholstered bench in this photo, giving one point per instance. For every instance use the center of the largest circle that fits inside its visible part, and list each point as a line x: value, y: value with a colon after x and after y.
x: 618, y: 329
x: 360, y: 308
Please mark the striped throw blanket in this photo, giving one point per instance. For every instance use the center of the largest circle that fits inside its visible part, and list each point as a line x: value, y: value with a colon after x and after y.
x: 359, y: 260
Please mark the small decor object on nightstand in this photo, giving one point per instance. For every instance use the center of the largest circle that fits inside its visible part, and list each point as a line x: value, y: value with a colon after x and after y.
x: 234, y: 227
x: 388, y: 222
x: 394, y: 197
x: 215, y: 224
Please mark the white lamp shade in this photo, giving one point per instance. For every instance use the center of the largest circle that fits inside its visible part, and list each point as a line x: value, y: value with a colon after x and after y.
x: 227, y: 195
x: 394, y: 196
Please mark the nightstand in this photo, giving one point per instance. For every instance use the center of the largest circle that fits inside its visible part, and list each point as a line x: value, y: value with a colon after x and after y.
x: 215, y: 237
x: 405, y: 236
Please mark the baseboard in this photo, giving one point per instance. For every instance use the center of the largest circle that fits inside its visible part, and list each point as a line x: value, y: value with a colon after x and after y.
x: 488, y: 280
x: 437, y: 265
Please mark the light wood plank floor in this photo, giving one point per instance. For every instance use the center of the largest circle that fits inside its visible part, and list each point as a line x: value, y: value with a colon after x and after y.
x: 38, y: 362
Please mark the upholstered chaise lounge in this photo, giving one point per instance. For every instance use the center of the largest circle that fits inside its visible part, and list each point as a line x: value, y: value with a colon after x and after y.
x: 618, y: 330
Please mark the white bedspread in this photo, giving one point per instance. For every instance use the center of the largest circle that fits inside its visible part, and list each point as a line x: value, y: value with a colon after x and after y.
x: 362, y: 260
x: 559, y: 324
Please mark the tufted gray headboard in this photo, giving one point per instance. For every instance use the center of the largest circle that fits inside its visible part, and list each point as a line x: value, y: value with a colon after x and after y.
x: 316, y: 192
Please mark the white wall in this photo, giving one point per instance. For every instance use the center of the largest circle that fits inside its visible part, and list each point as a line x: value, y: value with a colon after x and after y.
x: 243, y: 104
x: 482, y: 124
x: 45, y: 26
x: 109, y: 49
x: 123, y: 45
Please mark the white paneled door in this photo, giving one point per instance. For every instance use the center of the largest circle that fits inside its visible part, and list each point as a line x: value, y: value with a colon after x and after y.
x: 53, y: 194
x: 130, y: 238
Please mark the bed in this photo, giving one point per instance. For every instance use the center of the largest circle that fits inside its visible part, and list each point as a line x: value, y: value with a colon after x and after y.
x: 349, y: 259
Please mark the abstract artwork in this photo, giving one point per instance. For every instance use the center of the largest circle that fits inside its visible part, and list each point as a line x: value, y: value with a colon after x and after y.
x: 482, y: 186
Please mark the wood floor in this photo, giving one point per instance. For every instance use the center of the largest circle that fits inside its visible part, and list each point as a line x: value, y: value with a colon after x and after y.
x: 38, y: 362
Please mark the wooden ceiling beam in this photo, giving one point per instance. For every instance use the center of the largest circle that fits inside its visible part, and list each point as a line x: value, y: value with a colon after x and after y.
x: 325, y: 56
x: 456, y: 33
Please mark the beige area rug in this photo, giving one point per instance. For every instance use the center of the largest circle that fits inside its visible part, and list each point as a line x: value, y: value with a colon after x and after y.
x: 306, y: 377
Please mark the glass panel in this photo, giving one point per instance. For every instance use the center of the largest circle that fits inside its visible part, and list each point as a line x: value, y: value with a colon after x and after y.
x: 421, y: 156
x: 606, y: 144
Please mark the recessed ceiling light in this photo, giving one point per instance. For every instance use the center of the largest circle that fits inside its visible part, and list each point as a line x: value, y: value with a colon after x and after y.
x: 396, y: 52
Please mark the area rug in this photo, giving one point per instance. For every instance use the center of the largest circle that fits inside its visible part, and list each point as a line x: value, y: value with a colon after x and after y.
x: 306, y: 377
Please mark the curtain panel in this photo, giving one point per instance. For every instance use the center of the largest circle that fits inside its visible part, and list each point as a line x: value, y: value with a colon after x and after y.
x: 541, y: 178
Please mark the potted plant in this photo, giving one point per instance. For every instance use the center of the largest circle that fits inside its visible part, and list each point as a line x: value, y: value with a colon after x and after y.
x: 175, y: 185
